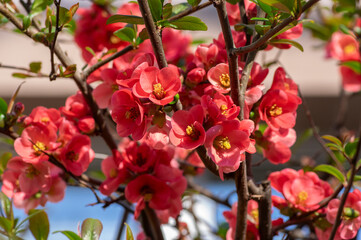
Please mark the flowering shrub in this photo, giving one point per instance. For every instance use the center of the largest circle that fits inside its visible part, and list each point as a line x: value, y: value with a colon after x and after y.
x: 168, y: 111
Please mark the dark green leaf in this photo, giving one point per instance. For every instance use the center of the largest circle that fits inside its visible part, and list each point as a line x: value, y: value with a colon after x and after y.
x: 70, y: 235
x: 156, y: 8
x: 351, y: 148
x: 39, y: 224
x: 283, y: 5
x: 287, y: 41
x: 2, y: 120
x: 91, y: 229
x: 5, y: 201
x: 353, y: 65
x: 35, y: 67
x: 3, y: 106
x: 330, y: 170
x: 262, y: 29
x: 194, y: 3
x: 26, y: 22
x: 40, y: 37
x: 129, y: 234
x: 167, y: 10
x: 126, y: 34
x: 126, y: 19
x: 6, y: 224
x: 189, y: 23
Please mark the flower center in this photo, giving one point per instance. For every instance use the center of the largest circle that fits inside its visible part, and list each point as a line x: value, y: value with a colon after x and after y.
x: 147, y: 193
x: 39, y: 147
x: 223, y: 109
x: 302, y: 197
x: 254, y: 214
x: 132, y: 113
x: 31, y: 172
x: 113, y: 173
x: 225, y: 80
x: 45, y: 120
x: 221, y: 142
x: 192, y: 132
x: 275, y: 111
x: 158, y: 91
x: 72, y: 156
x: 349, y: 49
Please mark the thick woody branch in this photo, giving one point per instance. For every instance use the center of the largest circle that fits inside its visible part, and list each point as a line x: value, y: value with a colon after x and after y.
x: 52, y: 74
x: 153, y: 33
x: 260, y: 42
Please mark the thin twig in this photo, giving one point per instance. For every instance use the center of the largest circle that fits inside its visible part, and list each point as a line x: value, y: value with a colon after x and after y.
x: 122, y: 224
x: 101, y: 63
x: 52, y: 74
x: 269, y: 34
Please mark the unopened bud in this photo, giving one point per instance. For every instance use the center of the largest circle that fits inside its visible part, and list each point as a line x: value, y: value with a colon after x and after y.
x: 18, y: 108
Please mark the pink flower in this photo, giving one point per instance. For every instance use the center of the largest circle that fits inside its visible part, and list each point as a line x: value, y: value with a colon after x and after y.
x: 77, y: 154
x: 128, y: 113
x: 103, y: 92
x: 187, y: 130
x: 160, y: 86
x: 207, y: 54
x: 280, y: 81
x: 195, y: 76
x: 115, y: 172
x: 343, y: 47
x: 351, y: 219
x: 34, y: 141
x: 148, y: 189
x: 278, y: 109
x: 44, y: 116
x: 351, y: 81
x: 218, y: 76
x: 139, y: 159
x: 75, y: 106
x: 226, y: 143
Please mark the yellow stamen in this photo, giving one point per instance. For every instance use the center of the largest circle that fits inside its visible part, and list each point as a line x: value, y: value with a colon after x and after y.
x: 39, y: 147
x: 223, y: 109
x: 113, y: 173
x: 192, y: 132
x: 148, y: 197
x: 302, y: 197
x: 349, y: 49
x: 132, y: 114
x: 225, y: 80
x: 45, y: 120
x: 221, y: 142
x: 158, y: 91
x: 275, y: 111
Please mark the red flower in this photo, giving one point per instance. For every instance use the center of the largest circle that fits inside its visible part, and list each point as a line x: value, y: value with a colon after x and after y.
x: 351, y: 81
x: 160, y: 86
x: 343, y: 47
x: 187, y: 130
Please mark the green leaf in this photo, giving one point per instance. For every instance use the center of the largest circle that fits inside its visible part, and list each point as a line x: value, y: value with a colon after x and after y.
x: 6, y: 224
x: 39, y: 6
x: 2, y: 120
x: 3, y: 106
x: 189, y: 23
x: 40, y: 37
x: 287, y: 41
x: 351, y: 148
x: 126, y: 34
x: 39, y: 224
x: 357, y: 178
x: 318, y: 30
x: 334, y: 147
x: 266, y: 8
x: 70, y: 235
x: 283, y: 5
x: 21, y: 75
x: 156, y: 8
x: 129, y: 234
x: 91, y: 229
x: 178, y: 8
x: 6, y: 205
x: 167, y: 10
x: 330, y: 170
x: 260, y: 19
x: 35, y: 67
x: 262, y: 29
x: 195, y: 3
x: 344, y: 29
x: 26, y: 22
x: 234, y: 2
x: 126, y: 19
x: 89, y: 49
x: 353, y: 65
x: 332, y: 139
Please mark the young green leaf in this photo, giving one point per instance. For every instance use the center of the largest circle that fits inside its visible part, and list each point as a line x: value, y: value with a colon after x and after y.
x: 6, y: 205
x: 189, y: 23
x: 35, y: 67
x: 283, y: 5
x: 195, y: 3
x: 126, y: 34
x: 70, y: 235
x: 351, y: 148
x: 353, y: 65
x: 156, y: 8
x: 91, y: 229
x: 126, y: 19
x: 330, y: 170
x: 332, y: 139
x: 129, y: 234
x: 39, y: 224
x: 3, y: 106
x: 287, y: 41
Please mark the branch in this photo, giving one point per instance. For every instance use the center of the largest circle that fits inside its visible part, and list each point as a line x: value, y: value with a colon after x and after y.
x: 257, y: 44
x: 189, y: 11
x: 122, y: 224
x: 153, y: 33
x: 23, y: 69
x: 347, y: 189
x: 94, y: 67
x: 52, y: 74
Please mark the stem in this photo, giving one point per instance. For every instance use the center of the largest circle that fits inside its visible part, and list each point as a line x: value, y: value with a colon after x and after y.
x: 255, y: 45
x: 150, y: 223
x: 94, y: 67
x: 122, y: 224
x: 153, y: 33
x: 52, y: 74
x: 265, y: 212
